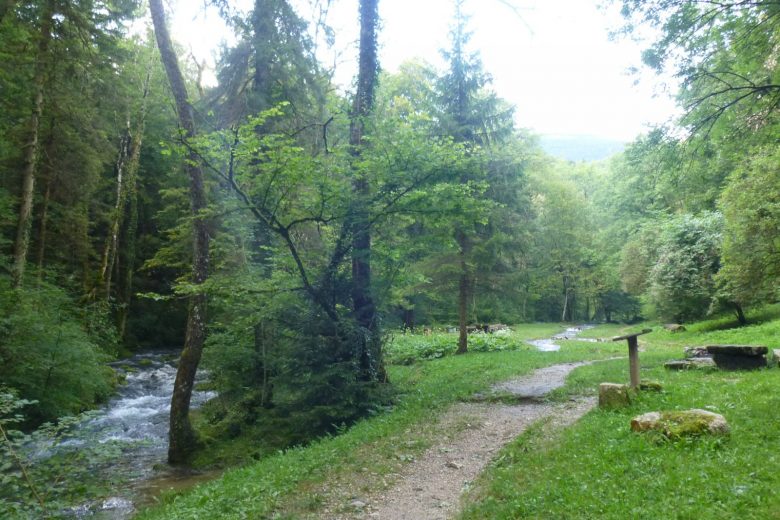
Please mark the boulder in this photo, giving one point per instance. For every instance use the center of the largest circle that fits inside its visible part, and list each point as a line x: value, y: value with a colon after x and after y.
x: 612, y: 396
x: 677, y: 424
x: 674, y: 327
x: 737, y: 350
x: 738, y: 357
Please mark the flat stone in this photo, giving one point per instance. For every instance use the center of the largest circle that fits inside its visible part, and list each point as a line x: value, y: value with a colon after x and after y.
x: 703, y: 362
x: 690, y: 364
x: 677, y: 424
x: 696, y: 352
x: 612, y: 396
x: 737, y: 350
x: 739, y: 362
x: 650, y: 386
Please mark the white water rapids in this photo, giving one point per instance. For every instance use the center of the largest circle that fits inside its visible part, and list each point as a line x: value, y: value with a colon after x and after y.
x: 136, y: 420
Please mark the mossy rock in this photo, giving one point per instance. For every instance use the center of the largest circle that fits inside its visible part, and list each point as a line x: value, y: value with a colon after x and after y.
x: 613, y: 396
x: 651, y: 386
x: 145, y: 362
x: 678, y: 424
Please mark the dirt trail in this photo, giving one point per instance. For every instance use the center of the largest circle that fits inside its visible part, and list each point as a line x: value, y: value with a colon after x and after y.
x: 429, y: 488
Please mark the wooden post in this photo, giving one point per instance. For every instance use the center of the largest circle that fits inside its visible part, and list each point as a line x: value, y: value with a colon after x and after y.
x: 633, y: 355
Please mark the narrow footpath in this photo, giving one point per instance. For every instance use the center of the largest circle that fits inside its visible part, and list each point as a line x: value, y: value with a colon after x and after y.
x: 429, y: 488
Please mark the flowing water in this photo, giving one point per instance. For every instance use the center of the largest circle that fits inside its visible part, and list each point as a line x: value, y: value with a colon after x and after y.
x: 552, y: 344
x: 135, y: 422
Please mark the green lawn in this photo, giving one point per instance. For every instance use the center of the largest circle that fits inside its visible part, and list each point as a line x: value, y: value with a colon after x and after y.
x: 600, y: 469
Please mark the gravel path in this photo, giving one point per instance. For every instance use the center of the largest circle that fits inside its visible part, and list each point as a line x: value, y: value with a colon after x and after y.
x: 429, y: 487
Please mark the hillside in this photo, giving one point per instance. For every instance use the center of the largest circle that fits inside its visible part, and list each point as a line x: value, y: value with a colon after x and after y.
x: 580, y: 147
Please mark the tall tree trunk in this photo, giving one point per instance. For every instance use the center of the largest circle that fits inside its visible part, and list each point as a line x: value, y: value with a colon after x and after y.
x: 125, y: 290
x: 22, y: 243
x: 125, y: 285
x: 181, y: 435
x: 44, y: 218
x: 463, y: 292
x: 363, y: 304
x: 112, y: 239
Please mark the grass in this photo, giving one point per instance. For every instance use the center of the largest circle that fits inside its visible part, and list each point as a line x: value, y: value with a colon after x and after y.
x: 595, y: 469
x: 598, y: 468
x: 405, y: 348
x: 298, y: 481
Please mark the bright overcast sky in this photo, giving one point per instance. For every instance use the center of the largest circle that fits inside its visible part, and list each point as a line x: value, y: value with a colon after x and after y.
x: 552, y: 58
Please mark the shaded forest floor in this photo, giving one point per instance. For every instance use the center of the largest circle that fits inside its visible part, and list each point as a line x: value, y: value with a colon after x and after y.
x: 594, y: 468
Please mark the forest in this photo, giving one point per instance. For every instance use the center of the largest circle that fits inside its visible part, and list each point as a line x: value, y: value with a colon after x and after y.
x: 287, y: 237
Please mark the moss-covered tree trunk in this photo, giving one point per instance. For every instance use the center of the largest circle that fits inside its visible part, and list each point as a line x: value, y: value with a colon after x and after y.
x: 182, y: 436
x: 362, y: 301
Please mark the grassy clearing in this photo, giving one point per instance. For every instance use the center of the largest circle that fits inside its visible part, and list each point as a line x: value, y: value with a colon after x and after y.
x: 599, y: 469
x: 295, y: 483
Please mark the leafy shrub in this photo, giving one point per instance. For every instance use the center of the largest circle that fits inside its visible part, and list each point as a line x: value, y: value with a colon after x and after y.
x: 406, y: 349
x: 47, y: 355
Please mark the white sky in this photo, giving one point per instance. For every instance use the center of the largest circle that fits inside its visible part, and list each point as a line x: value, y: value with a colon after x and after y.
x: 552, y: 59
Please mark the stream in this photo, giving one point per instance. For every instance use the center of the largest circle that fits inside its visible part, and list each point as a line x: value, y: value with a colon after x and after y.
x: 134, y: 421
x: 552, y: 344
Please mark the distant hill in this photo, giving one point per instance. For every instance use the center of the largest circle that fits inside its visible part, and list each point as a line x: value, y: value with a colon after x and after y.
x: 580, y: 147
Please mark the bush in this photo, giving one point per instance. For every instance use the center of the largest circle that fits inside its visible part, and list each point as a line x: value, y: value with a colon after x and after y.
x: 47, y: 355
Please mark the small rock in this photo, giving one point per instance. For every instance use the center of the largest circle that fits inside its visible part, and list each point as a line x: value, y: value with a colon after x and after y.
x: 696, y: 352
x: 674, y: 327
x: 453, y: 465
x: 650, y: 386
x: 688, y: 364
x: 773, y: 358
x: 613, y: 396
x: 679, y: 364
x: 676, y: 424
x: 357, y: 504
